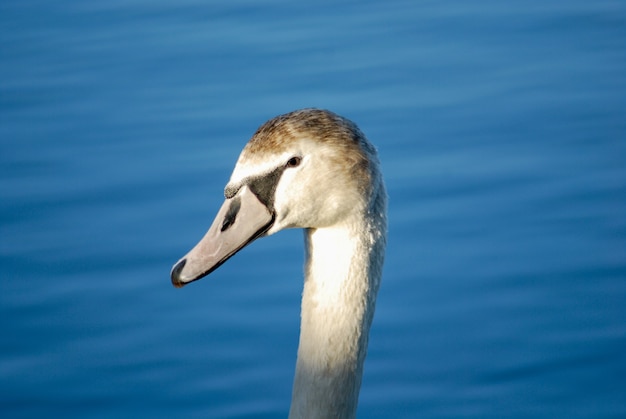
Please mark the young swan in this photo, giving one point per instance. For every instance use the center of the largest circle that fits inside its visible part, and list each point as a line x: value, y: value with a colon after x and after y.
x: 315, y: 170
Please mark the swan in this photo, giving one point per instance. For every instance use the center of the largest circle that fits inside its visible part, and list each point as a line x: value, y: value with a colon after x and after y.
x: 315, y: 170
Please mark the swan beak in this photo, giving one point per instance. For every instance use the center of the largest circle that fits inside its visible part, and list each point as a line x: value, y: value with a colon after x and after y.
x: 240, y: 220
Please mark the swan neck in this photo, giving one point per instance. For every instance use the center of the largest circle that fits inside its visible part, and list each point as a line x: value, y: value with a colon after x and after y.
x: 342, y: 274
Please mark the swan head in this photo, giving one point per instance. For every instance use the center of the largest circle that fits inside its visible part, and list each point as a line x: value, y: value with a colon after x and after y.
x: 306, y: 169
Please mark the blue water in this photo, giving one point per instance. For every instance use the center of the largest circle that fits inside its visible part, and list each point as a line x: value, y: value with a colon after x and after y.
x: 501, y: 128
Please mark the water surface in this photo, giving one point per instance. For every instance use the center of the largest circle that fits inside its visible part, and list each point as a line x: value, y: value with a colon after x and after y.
x: 502, y: 136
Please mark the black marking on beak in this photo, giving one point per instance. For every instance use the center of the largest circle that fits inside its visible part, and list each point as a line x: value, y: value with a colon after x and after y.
x: 231, y: 215
x: 264, y: 187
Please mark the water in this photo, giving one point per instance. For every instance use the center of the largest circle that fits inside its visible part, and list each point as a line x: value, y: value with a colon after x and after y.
x: 502, y: 133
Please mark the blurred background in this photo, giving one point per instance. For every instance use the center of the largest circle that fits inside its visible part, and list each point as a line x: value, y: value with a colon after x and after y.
x: 501, y: 127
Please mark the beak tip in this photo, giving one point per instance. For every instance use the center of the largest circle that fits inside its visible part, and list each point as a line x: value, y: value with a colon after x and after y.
x: 176, y: 274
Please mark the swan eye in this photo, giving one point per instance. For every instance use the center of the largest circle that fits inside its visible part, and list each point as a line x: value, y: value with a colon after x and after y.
x: 294, y: 161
